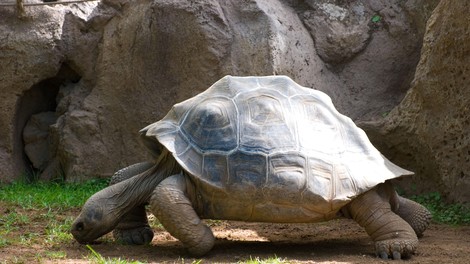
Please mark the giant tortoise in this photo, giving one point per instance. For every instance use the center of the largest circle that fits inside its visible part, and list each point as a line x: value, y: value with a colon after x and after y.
x: 261, y: 149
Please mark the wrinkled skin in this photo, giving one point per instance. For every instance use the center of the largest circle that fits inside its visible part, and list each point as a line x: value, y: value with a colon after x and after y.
x: 116, y: 205
x: 376, y: 211
x: 101, y: 214
x: 394, y: 223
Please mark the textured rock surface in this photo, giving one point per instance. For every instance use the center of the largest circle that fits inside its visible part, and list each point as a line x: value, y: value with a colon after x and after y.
x: 371, y: 47
x: 111, y: 69
x: 31, y: 57
x: 429, y: 132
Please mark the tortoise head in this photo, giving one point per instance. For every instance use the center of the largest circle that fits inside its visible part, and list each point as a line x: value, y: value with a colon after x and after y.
x: 105, y: 209
x: 98, y: 217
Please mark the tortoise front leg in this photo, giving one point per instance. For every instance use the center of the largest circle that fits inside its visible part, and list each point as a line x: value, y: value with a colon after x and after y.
x: 392, y: 235
x: 172, y: 206
x: 133, y: 227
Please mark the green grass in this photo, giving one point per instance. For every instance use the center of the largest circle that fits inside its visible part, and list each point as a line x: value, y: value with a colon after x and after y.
x: 12, y: 219
x: 442, y: 212
x: 271, y: 260
x: 96, y: 257
x: 50, y: 195
x: 4, y: 242
x: 27, y: 204
x: 376, y: 18
x: 55, y: 255
x: 58, y: 232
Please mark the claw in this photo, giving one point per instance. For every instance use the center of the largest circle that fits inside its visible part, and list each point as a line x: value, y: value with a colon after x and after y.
x: 396, y: 249
x: 383, y: 255
x: 137, y: 239
x: 396, y: 255
x: 409, y: 249
x: 135, y: 236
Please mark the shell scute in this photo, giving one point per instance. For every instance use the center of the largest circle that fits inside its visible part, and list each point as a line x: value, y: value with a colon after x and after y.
x: 265, y: 123
x: 287, y: 174
x: 211, y: 125
x: 247, y: 174
x: 215, y: 171
x: 317, y: 126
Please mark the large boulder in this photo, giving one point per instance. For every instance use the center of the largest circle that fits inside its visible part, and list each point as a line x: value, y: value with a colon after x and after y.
x: 110, y: 69
x: 429, y: 132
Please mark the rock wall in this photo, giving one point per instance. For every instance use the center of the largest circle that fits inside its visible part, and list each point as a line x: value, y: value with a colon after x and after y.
x: 429, y: 132
x: 93, y: 75
x: 31, y: 59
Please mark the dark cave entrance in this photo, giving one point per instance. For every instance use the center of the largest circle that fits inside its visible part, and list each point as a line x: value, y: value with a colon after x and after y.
x: 41, y: 98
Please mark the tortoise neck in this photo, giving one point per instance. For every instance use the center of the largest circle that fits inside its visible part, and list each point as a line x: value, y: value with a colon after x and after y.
x: 137, y: 190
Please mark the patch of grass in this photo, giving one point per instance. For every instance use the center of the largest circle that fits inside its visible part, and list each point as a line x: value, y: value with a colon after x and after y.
x: 442, y: 212
x: 15, y: 260
x: 29, y: 203
x: 154, y: 223
x: 46, y: 257
x: 271, y: 260
x: 28, y: 239
x: 50, y: 195
x: 58, y: 232
x: 376, y: 18
x: 3, y: 242
x: 99, y: 259
x: 12, y: 220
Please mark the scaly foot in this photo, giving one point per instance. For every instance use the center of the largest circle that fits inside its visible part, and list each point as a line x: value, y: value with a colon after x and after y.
x: 395, y: 248
x: 134, y: 236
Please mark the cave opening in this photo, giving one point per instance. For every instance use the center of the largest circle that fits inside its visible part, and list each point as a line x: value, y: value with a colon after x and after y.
x: 35, y: 113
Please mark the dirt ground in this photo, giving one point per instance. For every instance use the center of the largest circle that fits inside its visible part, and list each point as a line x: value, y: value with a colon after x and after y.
x: 338, y: 241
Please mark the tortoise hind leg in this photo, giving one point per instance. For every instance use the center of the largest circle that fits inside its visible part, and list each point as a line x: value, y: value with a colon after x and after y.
x: 171, y: 205
x: 415, y: 214
x: 133, y: 228
x: 392, y: 235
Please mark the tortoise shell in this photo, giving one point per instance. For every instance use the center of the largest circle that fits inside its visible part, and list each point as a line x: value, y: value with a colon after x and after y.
x: 268, y: 149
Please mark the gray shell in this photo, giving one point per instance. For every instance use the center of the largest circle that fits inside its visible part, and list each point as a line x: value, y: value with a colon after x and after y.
x: 259, y: 148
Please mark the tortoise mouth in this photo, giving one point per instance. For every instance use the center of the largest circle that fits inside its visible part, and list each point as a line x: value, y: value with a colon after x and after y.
x: 86, y: 231
x: 80, y: 233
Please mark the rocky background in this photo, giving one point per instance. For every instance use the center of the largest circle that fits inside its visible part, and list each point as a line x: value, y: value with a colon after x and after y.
x: 78, y: 81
